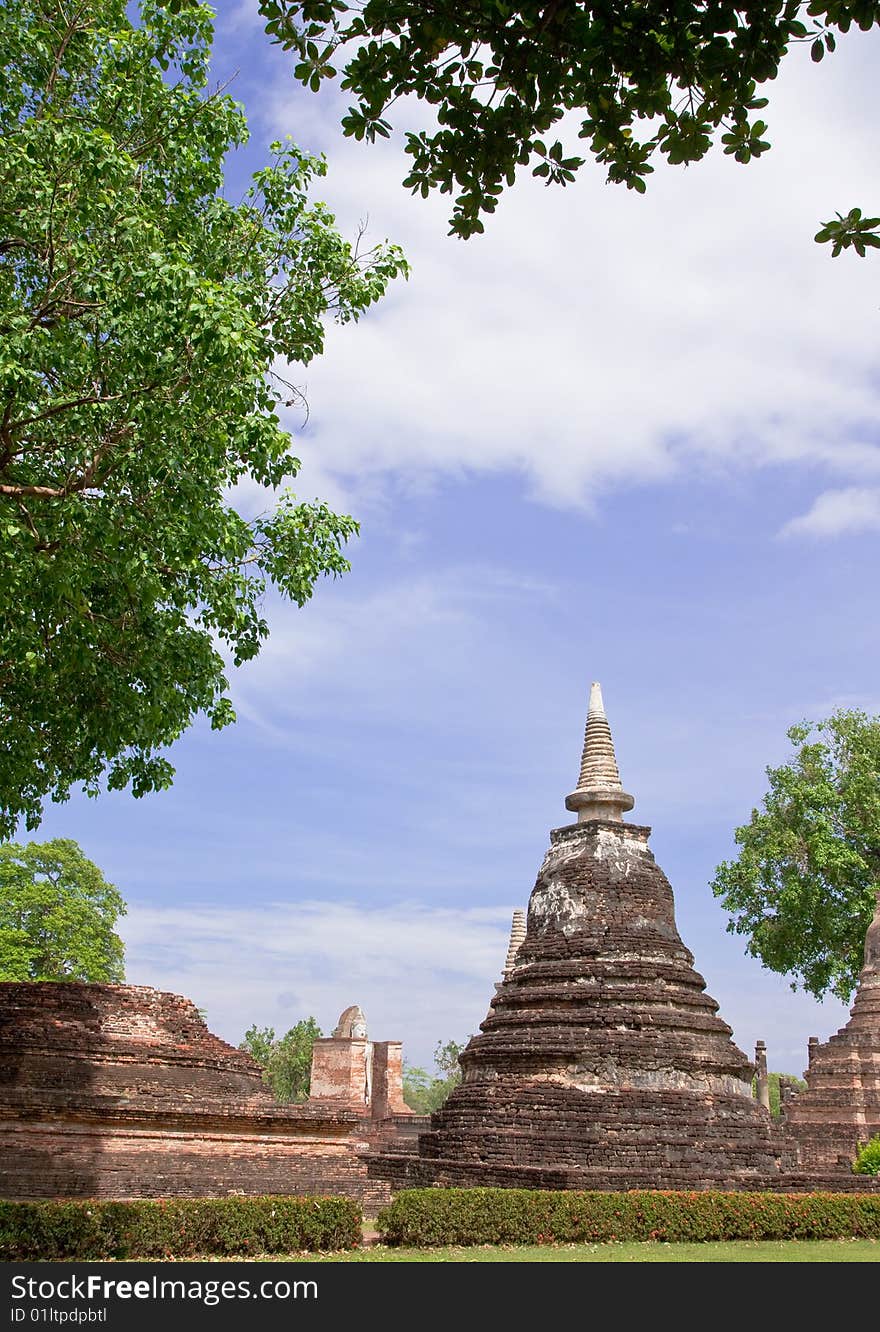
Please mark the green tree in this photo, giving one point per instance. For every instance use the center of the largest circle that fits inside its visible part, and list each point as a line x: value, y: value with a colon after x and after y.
x: 142, y: 317
x: 287, y: 1061
x: 803, y: 887
x: 773, y: 1081
x: 57, y: 915
x: 424, y: 1093
x: 648, y: 78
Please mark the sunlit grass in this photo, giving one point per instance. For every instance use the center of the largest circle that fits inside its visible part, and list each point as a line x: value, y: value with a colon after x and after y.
x: 738, y: 1251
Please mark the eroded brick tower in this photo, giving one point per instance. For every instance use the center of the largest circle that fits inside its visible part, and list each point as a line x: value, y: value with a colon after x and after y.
x: 602, y: 1062
x: 840, y: 1108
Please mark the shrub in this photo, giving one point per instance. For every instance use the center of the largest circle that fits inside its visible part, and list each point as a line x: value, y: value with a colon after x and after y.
x: 424, y: 1217
x: 179, y: 1227
x: 867, y: 1161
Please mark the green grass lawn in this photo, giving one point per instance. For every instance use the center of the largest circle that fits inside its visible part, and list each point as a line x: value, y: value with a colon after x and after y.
x: 740, y: 1251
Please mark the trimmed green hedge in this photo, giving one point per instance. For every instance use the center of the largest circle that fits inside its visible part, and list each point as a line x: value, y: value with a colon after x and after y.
x: 425, y: 1217
x: 180, y: 1227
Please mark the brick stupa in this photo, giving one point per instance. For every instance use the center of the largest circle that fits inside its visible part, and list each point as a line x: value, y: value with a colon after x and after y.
x: 602, y: 1062
x: 840, y: 1108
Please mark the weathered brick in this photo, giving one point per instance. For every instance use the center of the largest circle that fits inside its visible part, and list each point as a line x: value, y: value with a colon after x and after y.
x: 602, y: 1059
x: 840, y: 1108
x: 119, y: 1091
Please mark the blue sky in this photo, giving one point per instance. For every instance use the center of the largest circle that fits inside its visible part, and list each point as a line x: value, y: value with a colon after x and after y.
x: 622, y: 439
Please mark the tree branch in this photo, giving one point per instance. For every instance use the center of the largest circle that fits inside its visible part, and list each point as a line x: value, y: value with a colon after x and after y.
x: 73, y: 26
x: 91, y: 399
x: 35, y: 492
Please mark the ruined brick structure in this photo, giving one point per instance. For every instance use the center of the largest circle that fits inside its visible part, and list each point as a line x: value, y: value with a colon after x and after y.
x: 840, y: 1108
x: 117, y: 1091
x: 602, y: 1062
x: 355, y: 1073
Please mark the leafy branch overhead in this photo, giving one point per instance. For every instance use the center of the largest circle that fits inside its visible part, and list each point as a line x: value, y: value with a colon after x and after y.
x: 642, y: 79
x: 852, y: 231
x: 142, y: 320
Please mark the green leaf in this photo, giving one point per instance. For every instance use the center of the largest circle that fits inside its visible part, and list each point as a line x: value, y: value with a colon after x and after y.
x: 136, y: 579
x: 57, y: 915
x: 497, y: 77
x: 802, y: 889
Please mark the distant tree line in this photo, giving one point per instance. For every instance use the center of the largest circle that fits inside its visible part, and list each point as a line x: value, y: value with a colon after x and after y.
x: 424, y: 1093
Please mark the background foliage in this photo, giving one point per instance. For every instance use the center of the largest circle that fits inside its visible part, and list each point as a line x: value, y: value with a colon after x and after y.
x: 424, y: 1093
x: 867, y: 1161
x: 57, y: 915
x: 286, y: 1061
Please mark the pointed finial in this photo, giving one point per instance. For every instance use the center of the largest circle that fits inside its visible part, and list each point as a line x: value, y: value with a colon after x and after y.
x: 599, y: 794
x: 517, y: 935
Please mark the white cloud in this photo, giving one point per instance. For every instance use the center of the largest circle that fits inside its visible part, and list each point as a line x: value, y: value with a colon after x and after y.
x: 420, y: 973
x: 835, y: 512
x: 242, y: 16
x: 592, y: 339
x: 382, y: 653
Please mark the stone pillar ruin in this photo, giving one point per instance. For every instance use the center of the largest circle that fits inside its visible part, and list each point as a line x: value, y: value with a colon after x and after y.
x: 388, y: 1080
x: 761, y: 1076
x: 342, y: 1064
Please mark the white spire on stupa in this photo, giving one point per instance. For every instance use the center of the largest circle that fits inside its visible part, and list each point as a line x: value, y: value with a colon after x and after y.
x: 599, y: 794
x: 517, y: 937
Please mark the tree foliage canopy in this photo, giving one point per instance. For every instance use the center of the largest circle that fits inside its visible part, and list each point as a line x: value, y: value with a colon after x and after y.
x: 141, y: 316
x: 286, y: 1061
x: 57, y: 915
x: 647, y: 78
x: 803, y: 887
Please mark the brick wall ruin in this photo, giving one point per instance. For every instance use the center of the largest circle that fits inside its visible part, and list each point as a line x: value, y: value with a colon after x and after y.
x: 840, y: 1108
x: 602, y: 1063
x: 117, y: 1091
